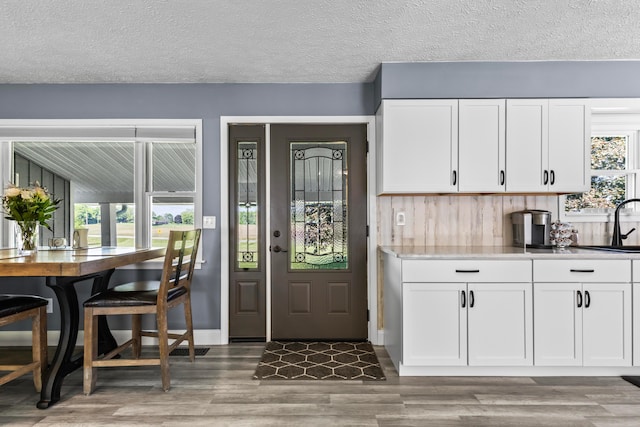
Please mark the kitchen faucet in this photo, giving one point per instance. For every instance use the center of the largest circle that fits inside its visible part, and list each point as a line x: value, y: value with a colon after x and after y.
x: 618, y: 237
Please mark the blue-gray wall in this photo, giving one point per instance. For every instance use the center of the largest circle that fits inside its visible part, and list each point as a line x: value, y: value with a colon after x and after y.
x: 210, y: 101
x: 534, y: 79
x: 176, y: 101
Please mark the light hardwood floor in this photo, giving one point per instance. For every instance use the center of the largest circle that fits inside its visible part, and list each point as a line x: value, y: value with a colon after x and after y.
x: 217, y: 390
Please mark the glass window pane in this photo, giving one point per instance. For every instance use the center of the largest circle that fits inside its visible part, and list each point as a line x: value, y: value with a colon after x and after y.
x: 319, y: 206
x: 605, y: 194
x: 121, y: 228
x: 170, y: 213
x: 608, y: 152
x: 174, y: 166
x: 247, y: 206
x: 100, y: 180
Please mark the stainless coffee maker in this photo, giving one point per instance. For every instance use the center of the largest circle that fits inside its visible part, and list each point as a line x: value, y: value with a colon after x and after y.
x: 531, y: 228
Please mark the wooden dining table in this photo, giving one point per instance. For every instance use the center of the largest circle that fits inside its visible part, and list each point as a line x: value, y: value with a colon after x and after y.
x: 62, y: 270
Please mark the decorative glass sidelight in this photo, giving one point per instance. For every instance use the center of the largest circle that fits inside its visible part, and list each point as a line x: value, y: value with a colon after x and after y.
x: 247, y: 207
x: 319, y: 206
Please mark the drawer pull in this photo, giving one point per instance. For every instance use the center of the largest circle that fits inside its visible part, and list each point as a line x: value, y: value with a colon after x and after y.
x: 580, y: 270
x: 579, y: 299
x: 467, y: 271
x: 464, y: 299
x: 472, y: 299
x: 587, y: 299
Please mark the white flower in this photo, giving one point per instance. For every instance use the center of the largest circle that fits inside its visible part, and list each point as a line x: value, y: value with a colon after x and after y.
x: 12, y: 192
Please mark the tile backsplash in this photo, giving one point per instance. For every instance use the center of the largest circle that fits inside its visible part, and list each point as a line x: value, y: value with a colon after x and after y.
x: 472, y: 220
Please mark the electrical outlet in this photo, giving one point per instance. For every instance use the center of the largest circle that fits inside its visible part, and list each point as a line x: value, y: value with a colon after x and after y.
x: 49, y: 305
x: 400, y: 218
x: 208, y: 222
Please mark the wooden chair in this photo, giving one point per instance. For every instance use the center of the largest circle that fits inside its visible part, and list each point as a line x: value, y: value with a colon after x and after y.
x: 14, y: 308
x: 145, y: 297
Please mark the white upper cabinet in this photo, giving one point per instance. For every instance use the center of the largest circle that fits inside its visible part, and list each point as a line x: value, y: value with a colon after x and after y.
x: 481, y: 145
x: 548, y: 145
x: 528, y: 145
x: 569, y: 145
x: 417, y: 150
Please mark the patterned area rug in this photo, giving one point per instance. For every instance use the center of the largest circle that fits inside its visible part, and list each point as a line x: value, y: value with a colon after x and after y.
x: 319, y: 361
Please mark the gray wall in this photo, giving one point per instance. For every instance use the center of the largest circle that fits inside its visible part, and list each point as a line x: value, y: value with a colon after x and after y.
x: 189, y: 101
x: 533, y: 79
x: 210, y: 101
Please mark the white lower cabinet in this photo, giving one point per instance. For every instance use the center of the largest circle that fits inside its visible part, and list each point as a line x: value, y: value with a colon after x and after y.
x: 535, y: 316
x: 434, y: 324
x: 636, y: 312
x: 585, y: 322
x: 458, y: 324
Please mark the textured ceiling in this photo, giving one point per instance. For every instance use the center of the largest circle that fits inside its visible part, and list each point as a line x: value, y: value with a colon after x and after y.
x: 255, y: 41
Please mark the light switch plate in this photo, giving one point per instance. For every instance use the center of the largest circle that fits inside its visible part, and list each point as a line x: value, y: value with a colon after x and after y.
x: 209, y: 222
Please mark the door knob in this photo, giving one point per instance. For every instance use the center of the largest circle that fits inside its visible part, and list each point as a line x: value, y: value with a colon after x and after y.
x: 277, y: 248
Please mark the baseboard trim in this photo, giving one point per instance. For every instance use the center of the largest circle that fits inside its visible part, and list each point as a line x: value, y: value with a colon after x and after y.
x: 202, y: 337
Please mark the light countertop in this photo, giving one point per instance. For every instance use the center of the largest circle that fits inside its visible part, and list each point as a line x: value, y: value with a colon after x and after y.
x: 502, y: 252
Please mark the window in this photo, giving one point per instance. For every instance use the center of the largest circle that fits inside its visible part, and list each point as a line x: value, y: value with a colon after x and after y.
x: 615, y: 171
x: 128, y: 182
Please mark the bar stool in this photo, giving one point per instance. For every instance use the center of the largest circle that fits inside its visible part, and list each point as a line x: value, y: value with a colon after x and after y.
x: 14, y: 308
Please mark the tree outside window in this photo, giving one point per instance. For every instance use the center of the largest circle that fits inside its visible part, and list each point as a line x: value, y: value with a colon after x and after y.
x: 610, y: 182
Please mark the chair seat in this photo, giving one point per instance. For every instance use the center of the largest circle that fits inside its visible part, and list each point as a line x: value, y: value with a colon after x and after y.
x: 132, y: 294
x: 12, y: 304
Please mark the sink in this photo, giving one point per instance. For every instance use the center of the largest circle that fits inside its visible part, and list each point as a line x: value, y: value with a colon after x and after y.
x: 627, y: 249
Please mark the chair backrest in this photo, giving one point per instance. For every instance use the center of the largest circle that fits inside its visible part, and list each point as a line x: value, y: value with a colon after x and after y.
x: 179, y: 261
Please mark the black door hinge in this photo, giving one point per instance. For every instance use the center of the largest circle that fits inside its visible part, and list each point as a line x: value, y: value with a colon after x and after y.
x: 367, y: 231
x: 368, y: 314
x: 367, y: 146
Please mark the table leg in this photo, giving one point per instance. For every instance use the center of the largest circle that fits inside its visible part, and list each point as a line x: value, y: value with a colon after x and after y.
x: 62, y: 363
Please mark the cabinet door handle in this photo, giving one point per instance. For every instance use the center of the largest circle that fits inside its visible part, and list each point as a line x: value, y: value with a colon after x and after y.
x: 579, y: 298
x: 464, y: 299
x: 587, y: 299
x: 472, y: 299
x: 546, y: 177
x: 455, y: 177
x: 582, y: 270
x: 467, y: 271
x: 553, y: 177
x: 501, y: 177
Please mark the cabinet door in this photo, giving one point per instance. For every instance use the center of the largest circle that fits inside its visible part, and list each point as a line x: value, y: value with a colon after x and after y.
x: 500, y: 324
x: 419, y: 146
x: 481, y: 145
x: 607, y: 324
x: 569, y: 145
x: 557, y: 314
x: 434, y: 323
x: 636, y: 321
x: 527, y: 145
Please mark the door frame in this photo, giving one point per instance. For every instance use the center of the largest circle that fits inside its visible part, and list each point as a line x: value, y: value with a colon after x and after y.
x: 375, y: 336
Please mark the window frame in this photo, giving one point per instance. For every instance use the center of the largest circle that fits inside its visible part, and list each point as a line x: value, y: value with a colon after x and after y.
x: 142, y: 195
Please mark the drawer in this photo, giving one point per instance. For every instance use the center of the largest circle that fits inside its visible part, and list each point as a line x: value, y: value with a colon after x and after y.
x: 466, y: 271
x: 582, y: 270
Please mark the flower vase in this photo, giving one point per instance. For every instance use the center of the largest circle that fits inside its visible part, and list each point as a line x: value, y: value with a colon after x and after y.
x: 27, y: 237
